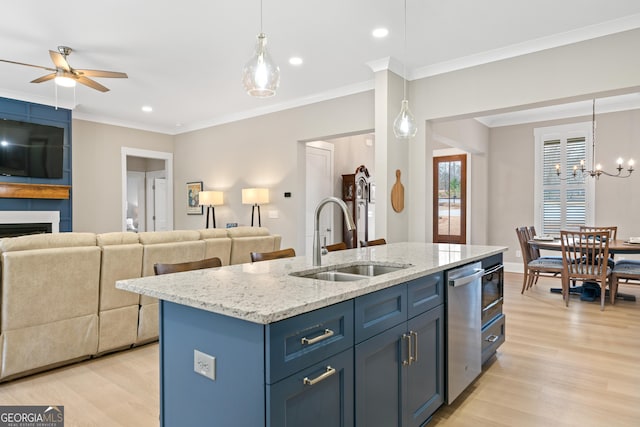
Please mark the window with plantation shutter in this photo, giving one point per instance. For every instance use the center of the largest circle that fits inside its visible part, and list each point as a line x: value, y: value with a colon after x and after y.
x: 562, y: 202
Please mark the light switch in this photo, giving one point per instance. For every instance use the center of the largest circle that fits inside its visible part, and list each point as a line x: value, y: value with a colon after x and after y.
x: 274, y: 213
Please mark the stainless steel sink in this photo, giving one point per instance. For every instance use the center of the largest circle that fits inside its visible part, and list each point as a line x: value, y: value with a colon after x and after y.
x: 334, y: 276
x: 349, y: 273
x: 370, y: 269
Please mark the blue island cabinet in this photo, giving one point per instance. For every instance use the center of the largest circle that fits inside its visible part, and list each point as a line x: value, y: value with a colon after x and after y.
x: 399, y: 354
x: 341, y: 365
x: 296, y: 372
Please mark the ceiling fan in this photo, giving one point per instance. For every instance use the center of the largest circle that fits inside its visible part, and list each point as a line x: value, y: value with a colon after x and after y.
x: 66, y: 75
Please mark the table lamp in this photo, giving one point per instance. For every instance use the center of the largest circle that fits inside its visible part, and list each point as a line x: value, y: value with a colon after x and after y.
x: 255, y: 197
x: 210, y: 199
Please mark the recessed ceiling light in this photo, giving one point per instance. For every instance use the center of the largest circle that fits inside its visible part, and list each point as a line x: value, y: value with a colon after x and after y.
x: 380, y: 33
x: 147, y: 109
x: 295, y: 60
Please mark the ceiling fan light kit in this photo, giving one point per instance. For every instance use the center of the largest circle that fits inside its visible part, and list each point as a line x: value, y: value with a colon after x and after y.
x: 64, y: 75
x: 261, y: 76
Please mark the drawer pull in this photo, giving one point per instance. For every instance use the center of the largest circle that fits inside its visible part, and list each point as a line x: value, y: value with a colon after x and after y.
x: 327, y: 333
x: 415, y: 345
x: 407, y: 362
x: 492, y: 338
x: 330, y: 371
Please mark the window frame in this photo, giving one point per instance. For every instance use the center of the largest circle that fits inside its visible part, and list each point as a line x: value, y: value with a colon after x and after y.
x: 562, y: 133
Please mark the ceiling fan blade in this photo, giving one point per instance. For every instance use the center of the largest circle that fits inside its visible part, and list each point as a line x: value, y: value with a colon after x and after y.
x: 92, y: 84
x: 101, y: 73
x: 59, y: 60
x: 44, y: 78
x: 28, y: 65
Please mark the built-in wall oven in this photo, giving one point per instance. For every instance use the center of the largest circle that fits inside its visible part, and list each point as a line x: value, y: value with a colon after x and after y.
x: 492, y: 292
x: 493, y: 319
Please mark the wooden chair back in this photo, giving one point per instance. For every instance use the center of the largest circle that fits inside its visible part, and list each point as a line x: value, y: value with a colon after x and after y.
x: 266, y: 256
x: 160, y: 268
x: 336, y: 247
x: 524, y: 236
x: 613, y: 230
x: 584, y: 257
x: 375, y: 242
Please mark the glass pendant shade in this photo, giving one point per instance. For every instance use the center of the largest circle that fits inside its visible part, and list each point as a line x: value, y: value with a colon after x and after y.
x: 404, y: 126
x: 261, y: 76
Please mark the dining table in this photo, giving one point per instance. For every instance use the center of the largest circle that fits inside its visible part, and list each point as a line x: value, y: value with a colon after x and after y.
x: 616, y: 246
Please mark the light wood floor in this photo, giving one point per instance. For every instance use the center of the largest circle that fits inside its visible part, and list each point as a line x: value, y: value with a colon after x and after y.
x: 560, y: 366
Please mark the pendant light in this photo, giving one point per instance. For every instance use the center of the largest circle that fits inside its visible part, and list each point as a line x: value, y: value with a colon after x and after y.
x: 261, y: 76
x: 404, y: 126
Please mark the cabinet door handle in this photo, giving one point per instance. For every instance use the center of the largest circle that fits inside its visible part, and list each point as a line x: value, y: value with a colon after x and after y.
x: 415, y: 345
x: 492, y: 338
x: 326, y: 334
x: 407, y: 362
x: 326, y: 374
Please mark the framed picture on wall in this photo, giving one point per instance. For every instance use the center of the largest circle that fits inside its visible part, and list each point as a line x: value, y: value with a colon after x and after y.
x: 193, y: 203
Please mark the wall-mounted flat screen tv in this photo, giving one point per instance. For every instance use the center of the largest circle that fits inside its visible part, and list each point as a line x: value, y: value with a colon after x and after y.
x: 31, y: 150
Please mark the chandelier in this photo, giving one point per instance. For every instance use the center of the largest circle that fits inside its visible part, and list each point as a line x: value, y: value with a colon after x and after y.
x: 596, y: 169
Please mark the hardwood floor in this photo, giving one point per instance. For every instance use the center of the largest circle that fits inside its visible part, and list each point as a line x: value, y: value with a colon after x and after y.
x: 574, y: 366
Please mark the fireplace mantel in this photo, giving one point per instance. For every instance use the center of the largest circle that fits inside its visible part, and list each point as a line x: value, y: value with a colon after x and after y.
x: 10, y: 190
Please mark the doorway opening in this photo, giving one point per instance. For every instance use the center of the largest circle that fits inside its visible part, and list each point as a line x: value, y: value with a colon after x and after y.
x: 147, y: 195
x: 325, y: 161
x: 450, y: 199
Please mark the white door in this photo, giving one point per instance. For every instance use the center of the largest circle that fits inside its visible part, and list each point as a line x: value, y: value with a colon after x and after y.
x: 319, y: 184
x: 157, y: 205
x: 160, y: 204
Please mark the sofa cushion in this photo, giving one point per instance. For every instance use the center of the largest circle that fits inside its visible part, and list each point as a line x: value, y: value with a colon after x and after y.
x: 213, y: 233
x: 117, y: 238
x: 47, y: 285
x: 247, y: 231
x: 156, y: 237
x: 47, y: 241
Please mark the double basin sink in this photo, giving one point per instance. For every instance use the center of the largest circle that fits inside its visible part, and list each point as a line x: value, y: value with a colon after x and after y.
x: 350, y: 273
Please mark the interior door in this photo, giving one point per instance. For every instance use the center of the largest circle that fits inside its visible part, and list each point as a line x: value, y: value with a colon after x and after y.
x: 319, y: 184
x: 450, y: 199
x: 160, y: 204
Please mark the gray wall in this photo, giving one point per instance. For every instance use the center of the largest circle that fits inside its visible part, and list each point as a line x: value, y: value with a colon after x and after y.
x: 263, y: 151
x: 511, y: 177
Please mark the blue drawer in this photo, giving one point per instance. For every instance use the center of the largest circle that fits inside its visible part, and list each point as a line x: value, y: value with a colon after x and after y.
x: 425, y: 293
x: 379, y: 311
x: 296, y: 343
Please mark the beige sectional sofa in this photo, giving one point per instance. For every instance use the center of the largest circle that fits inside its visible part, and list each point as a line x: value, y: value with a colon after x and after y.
x: 58, y: 300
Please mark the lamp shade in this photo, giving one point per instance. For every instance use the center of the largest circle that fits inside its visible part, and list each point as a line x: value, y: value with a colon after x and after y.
x: 255, y: 196
x: 210, y: 198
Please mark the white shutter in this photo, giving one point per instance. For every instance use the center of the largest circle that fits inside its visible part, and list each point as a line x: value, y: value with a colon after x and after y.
x: 562, y: 202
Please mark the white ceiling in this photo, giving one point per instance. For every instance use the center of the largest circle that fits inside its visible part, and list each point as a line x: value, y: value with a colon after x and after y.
x: 185, y: 58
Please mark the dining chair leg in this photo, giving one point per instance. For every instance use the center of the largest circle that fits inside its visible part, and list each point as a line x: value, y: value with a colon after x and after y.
x: 613, y: 289
x: 565, y: 291
x: 603, y: 292
x: 525, y: 278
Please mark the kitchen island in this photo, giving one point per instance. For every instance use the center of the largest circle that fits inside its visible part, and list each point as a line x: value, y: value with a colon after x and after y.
x: 259, y: 345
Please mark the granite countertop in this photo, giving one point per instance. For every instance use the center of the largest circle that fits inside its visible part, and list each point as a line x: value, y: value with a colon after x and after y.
x: 265, y: 292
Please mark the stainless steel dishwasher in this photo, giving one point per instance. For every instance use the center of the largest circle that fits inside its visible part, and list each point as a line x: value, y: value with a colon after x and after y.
x: 464, y: 325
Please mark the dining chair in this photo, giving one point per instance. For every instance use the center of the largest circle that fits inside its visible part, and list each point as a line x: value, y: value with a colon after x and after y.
x: 613, y: 235
x: 584, y: 257
x: 266, y: 256
x: 336, y: 247
x: 627, y: 270
x: 533, y: 264
x: 375, y: 242
x: 161, y: 268
x: 535, y: 251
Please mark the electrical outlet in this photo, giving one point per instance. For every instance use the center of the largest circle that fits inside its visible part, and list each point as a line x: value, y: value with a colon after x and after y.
x: 518, y: 254
x: 204, y: 364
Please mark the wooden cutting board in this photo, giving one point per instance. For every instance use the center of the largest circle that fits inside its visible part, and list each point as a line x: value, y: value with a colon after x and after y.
x: 397, y: 194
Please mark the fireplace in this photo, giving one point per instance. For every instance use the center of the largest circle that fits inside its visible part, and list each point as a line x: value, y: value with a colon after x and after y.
x: 18, y: 223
